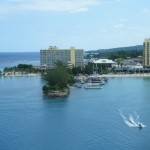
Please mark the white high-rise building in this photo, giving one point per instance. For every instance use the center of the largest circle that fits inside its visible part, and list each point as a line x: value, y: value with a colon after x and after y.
x: 51, y: 55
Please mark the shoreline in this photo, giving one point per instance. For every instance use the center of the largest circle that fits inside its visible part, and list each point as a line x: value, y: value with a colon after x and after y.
x: 123, y: 75
x: 58, y: 93
x: 81, y: 76
x: 23, y: 75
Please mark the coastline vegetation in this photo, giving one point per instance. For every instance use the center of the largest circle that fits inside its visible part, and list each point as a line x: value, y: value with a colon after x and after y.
x: 123, y: 54
x: 58, y: 79
x: 25, y: 68
x: 90, y: 68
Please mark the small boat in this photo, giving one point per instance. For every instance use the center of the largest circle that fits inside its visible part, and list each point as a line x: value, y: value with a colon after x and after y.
x: 78, y: 85
x: 105, y: 79
x: 92, y: 86
x: 82, y: 82
x: 140, y: 126
x: 97, y: 80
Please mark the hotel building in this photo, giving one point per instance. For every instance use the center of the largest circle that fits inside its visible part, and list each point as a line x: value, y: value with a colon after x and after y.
x: 71, y: 56
x: 146, y: 53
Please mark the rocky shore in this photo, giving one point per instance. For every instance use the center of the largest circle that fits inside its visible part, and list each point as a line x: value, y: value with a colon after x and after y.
x: 58, y: 93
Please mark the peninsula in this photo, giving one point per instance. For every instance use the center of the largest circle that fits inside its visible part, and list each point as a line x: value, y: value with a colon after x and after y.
x: 58, y: 81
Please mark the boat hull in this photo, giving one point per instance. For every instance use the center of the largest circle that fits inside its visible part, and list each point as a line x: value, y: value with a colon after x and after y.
x: 92, y: 86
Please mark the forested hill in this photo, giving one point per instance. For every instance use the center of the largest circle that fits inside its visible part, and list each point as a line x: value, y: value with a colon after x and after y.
x: 130, y: 48
x: 114, y: 53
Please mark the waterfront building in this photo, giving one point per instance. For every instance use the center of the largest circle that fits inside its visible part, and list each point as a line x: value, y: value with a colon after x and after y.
x: 131, y: 64
x: 146, y: 53
x: 104, y: 61
x: 70, y: 56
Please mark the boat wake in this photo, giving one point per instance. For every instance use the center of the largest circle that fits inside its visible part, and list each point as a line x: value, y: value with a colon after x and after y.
x: 132, y: 120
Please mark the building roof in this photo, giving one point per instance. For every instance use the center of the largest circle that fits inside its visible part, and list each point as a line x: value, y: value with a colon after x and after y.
x: 104, y: 61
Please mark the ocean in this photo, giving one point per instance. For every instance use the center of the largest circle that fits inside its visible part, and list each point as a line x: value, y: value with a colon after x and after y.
x: 88, y: 119
x: 13, y: 59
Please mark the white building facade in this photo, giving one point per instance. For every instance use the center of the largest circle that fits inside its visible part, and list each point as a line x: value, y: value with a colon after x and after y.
x: 71, y: 56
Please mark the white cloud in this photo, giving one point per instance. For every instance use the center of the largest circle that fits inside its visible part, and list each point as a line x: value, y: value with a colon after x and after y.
x: 120, y: 25
x: 135, y: 28
x: 103, y: 30
x: 79, y: 26
x: 123, y: 20
x: 122, y: 32
x: 74, y: 6
x: 146, y: 11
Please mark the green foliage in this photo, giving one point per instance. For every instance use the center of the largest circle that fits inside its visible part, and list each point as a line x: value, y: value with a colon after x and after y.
x: 125, y: 54
x: 69, y: 70
x: 117, y: 54
x: 22, y: 68
x: 45, y: 88
x: 71, y: 80
x: 76, y: 70
x: 6, y: 69
x: 57, y: 78
x: 88, y: 69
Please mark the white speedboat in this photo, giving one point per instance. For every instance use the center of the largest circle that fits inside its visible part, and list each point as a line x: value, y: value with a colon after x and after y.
x: 95, y: 80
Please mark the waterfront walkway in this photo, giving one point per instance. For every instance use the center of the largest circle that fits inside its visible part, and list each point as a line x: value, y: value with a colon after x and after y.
x: 94, y: 75
x: 124, y: 75
x: 82, y: 77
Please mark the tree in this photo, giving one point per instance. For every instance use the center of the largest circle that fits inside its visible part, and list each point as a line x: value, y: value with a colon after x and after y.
x: 88, y: 69
x: 57, y: 78
x: 76, y: 70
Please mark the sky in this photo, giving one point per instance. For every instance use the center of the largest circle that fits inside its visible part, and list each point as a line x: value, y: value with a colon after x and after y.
x: 31, y: 25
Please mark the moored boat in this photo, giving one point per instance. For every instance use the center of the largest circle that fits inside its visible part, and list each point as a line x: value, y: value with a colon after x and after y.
x: 92, y: 86
x: 96, y: 80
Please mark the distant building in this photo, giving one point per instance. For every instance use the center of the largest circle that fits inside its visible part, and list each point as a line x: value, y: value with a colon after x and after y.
x: 71, y: 56
x: 109, y: 63
x: 132, y: 65
x: 146, y: 53
x: 139, y: 59
x: 104, y: 61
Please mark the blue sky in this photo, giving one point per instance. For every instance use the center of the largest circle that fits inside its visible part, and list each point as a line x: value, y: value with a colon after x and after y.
x: 31, y: 25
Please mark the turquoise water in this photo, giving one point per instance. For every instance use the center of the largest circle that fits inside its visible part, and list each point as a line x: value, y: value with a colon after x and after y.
x: 85, y: 120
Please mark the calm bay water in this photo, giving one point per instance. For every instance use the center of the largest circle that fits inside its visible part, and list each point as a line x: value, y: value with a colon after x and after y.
x: 85, y: 120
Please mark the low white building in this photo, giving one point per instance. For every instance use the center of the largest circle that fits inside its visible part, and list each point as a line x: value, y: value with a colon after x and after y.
x: 132, y: 65
x: 104, y: 61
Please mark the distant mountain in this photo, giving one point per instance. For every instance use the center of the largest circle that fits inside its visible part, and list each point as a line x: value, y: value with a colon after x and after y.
x: 129, y: 48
